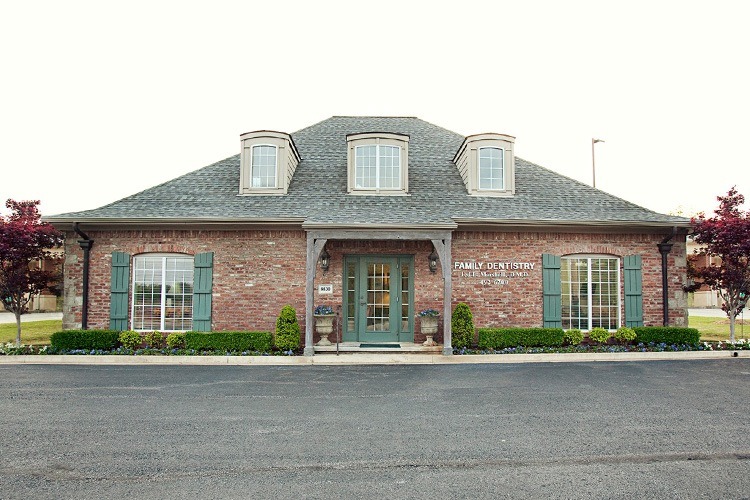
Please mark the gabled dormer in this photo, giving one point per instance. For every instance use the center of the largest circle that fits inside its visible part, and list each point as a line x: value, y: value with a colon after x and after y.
x: 268, y: 160
x: 487, y: 164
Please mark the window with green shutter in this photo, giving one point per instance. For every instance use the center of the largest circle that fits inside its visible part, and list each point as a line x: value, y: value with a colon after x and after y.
x: 163, y: 292
x: 118, y: 302
x: 551, y: 290
x: 633, y: 291
x: 202, y: 292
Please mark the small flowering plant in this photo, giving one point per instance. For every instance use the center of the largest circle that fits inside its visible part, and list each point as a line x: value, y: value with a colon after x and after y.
x: 323, y: 311
x: 432, y: 313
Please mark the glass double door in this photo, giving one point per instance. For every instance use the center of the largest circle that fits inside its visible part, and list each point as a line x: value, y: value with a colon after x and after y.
x: 379, y: 298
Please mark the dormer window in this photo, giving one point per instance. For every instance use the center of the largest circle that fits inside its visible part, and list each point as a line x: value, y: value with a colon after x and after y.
x: 487, y: 165
x: 378, y: 163
x: 263, y: 166
x: 491, y: 169
x: 268, y: 161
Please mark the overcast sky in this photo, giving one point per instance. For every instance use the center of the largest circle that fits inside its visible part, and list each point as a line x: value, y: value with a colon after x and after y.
x: 102, y: 99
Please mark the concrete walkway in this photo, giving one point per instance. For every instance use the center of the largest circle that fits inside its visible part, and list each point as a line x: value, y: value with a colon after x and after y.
x: 371, y: 359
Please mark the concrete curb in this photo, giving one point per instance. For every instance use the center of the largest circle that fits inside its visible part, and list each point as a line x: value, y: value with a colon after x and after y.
x: 366, y: 359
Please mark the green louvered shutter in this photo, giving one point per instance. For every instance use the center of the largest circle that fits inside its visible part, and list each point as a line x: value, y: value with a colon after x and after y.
x: 118, y: 301
x: 202, y: 288
x: 633, y: 291
x: 552, y: 291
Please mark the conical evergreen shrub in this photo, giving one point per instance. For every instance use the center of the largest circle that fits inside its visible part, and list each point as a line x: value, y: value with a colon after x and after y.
x: 462, y: 326
x: 287, y: 330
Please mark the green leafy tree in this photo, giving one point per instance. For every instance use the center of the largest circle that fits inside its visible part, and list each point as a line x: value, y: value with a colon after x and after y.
x: 462, y: 326
x: 287, y: 329
x: 726, y: 236
x: 24, y: 241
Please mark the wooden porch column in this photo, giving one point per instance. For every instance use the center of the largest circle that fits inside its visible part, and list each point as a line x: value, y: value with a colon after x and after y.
x: 314, y: 248
x: 443, y: 248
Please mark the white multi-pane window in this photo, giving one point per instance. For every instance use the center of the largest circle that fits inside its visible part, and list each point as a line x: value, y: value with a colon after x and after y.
x: 263, y: 170
x: 377, y: 167
x: 491, y: 169
x: 162, y: 292
x: 590, y: 292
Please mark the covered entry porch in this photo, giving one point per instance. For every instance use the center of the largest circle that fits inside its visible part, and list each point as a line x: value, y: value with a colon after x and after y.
x: 375, y: 274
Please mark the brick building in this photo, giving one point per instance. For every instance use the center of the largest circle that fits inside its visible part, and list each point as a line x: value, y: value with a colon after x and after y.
x: 380, y: 218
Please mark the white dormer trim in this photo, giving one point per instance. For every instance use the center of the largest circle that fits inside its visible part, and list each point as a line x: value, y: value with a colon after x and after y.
x: 381, y: 142
x: 468, y: 164
x: 287, y: 159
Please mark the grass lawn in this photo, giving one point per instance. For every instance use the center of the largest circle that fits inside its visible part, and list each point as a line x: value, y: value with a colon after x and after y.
x: 33, y: 332
x: 718, y: 328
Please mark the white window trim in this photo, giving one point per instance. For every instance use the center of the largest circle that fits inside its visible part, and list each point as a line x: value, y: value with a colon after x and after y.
x: 162, y: 312
x: 377, y: 167
x: 275, y: 167
x: 378, y: 139
x: 502, y: 168
x: 467, y: 162
x: 590, y: 311
x: 287, y: 160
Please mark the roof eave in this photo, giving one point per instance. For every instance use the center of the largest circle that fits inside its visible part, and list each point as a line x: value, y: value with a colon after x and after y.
x: 598, y: 225
x: 104, y: 223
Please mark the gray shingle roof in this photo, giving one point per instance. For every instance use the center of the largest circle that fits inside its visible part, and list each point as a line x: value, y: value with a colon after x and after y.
x: 318, y: 195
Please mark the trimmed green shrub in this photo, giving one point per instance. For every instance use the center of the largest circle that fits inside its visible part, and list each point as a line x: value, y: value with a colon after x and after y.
x: 462, y: 326
x: 574, y: 336
x: 176, y: 340
x: 154, y: 340
x: 666, y: 335
x: 68, y: 340
x: 500, y: 338
x: 625, y: 335
x: 287, y: 330
x: 599, y: 335
x: 130, y: 339
x: 228, y: 341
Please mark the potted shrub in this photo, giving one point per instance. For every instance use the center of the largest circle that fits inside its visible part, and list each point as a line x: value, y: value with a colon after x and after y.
x: 429, y: 325
x: 323, y: 323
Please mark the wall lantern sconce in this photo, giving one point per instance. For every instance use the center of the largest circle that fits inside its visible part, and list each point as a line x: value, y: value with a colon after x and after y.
x: 433, y: 258
x: 325, y: 260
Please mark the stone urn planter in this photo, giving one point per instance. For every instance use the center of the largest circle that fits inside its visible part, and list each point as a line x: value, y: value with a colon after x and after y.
x: 323, y: 323
x: 429, y: 326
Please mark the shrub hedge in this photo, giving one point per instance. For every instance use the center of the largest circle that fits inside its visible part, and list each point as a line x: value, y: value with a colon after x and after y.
x: 574, y: 336
x: 500, y: 338
x: 667, y: 335
x: 229, y: 341
x: 68, y: 340
x: 599, y: 335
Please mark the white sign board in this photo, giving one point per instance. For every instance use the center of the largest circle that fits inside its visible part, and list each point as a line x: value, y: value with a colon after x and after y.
x: 325, y: 289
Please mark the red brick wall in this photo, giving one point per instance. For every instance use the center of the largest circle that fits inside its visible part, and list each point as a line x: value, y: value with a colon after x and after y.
x: 257, y: 272
x: 519, y: 303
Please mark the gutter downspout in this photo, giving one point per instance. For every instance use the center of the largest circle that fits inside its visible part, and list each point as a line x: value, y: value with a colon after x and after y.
x: 664, y: 249
x: 86, y: 245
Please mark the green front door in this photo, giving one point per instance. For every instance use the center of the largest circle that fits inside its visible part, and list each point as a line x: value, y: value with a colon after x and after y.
x: 378, y: 298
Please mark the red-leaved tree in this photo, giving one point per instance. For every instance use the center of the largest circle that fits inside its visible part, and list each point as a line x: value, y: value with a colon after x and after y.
x: 727, y: 236
x: 24, y: 241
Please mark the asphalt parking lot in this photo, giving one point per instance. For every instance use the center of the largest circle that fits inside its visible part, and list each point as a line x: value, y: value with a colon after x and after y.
x: 661, y: 429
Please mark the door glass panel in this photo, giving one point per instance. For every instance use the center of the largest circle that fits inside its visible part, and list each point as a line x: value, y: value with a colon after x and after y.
x: 351, y: 295
x: 378, y: 297
x: 405, y: 297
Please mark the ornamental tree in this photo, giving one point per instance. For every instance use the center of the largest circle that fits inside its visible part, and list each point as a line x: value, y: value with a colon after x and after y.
x: 24, y: 242
x: 726, y: 236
